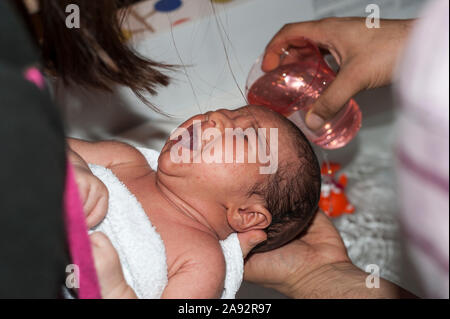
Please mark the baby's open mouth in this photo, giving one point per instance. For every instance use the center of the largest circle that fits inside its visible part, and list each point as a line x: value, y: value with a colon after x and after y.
x: 189, y: 141
x: 190, y: 130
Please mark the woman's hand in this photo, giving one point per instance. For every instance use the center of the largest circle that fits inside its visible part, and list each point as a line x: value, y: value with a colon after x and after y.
x: 109, y: 271
x: 289, y: 269
x: 93, y: 193
x: 367, y: 57
x: 250, y: 240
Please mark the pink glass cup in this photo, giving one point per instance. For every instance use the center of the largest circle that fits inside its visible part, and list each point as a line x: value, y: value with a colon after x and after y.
x: 292, y: 88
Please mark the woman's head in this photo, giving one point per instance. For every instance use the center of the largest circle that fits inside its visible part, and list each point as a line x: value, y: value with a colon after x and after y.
x: 94, y: 55
x: 281, y: 202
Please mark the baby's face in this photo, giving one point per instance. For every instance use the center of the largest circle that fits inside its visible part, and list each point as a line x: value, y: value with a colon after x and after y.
x: 212, y: 164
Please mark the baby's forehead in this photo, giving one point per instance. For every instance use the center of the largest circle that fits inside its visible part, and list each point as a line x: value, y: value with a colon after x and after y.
x: 268, y: 119
x: 264, y: 116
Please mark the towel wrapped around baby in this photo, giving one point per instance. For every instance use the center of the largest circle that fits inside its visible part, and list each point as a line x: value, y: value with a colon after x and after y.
x: 139, y: 246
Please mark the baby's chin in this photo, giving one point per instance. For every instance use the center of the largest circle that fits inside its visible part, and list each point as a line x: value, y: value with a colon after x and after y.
x: 165, y: 164
x: 164, y: 156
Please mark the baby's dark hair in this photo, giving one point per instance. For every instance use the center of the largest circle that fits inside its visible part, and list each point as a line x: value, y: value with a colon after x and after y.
x: 291, y: 194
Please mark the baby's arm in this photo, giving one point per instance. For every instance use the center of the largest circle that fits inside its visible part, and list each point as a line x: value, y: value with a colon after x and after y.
x: 201, y: 276
x: 93, y: 192
x: 105, y: 153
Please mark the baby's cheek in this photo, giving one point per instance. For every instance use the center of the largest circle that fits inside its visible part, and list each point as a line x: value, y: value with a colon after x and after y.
x: 209, y: 173
x: 210, y: 177
x: 239, y: 174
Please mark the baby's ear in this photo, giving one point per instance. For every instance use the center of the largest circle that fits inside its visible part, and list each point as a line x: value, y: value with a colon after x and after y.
x: 249, y: 217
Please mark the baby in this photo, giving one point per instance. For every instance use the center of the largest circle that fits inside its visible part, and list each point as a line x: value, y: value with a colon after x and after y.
x: 195, y: 204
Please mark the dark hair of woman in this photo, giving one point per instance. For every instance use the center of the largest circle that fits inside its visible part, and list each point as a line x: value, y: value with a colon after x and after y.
x: 96, y: 54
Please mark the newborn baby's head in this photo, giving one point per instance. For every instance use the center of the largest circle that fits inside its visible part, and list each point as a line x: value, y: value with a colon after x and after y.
x: 244, y: 169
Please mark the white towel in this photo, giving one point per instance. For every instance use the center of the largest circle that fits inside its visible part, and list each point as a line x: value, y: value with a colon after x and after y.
x: 140, y: 248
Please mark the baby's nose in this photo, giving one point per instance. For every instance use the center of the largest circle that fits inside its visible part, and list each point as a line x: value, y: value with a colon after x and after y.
x: 220, y: 119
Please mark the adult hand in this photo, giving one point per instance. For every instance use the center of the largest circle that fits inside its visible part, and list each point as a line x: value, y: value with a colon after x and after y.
x: 109, y: 270
x: 288, y: 269
x: 316, y: 265
x: 250, y: 240
x: 367, y: 57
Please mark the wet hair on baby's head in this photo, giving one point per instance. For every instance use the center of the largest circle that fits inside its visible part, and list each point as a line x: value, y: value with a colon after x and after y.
x: 292, y: 193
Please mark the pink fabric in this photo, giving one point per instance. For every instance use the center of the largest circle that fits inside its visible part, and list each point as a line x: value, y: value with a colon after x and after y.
x: 423, y: 149
x: 78, y: 239
x: 35, y: 76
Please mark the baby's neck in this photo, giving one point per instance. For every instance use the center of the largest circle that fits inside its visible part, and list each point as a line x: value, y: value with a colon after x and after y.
x: 180, y: 210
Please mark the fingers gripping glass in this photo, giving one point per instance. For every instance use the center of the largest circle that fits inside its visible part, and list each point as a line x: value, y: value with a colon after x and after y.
x: 298, y: 81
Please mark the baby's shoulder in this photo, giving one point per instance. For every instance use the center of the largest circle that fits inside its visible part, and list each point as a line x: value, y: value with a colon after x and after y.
x: 200, y: 271
x: 125, y: 153
x: 203, y: 248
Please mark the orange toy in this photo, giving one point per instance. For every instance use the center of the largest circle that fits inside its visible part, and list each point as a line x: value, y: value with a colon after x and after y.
x: 333, y: 200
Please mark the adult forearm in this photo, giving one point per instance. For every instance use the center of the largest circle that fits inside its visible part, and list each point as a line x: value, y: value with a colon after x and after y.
x: 343, y: 280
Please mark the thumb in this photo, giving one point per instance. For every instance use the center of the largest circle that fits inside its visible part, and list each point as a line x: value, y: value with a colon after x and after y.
x: 341, y: 90
x: 250, y: 240
x: 99, y: 240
